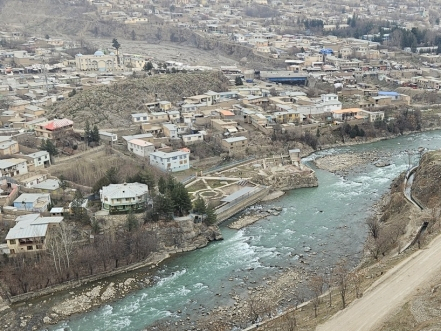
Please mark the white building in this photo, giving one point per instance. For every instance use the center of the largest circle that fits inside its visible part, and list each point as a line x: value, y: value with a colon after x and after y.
x: 174, y: 161
x: 40, y: 159
x: 140, y: 117
x: 96, y: 62
x: 140, y: 147
x: 189, y: 139
x: 124, y: 197
x: 13, y: 167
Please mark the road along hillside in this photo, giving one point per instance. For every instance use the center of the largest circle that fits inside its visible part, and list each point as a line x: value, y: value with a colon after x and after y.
x: 389, y: 292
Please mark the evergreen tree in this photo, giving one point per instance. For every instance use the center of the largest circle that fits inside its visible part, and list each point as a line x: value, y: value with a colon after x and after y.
x: 238, y: 81
x: 87, y: 132
x: 163, y: 205
x: 146, y: 177
x: 171, y: 182
x: 48, y: 146
x: 148, y: 66
x: 131, y: 222
x: 199, y: 206
x: 117, y: 46
x: 78, y: 212
x: 211, y: 217
x: 162, y: 185
x: 181, y: 200
x: 95, y: 134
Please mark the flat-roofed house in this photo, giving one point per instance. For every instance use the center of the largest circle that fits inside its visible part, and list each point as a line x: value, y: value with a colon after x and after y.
x: 173, y: 161
x: 33, y: 202
x: 344, y: 114
x: 234, y: 145
x: 40, y: 159
x: 140, y: 117
x: 140, y: 147
x: 13, y: 167
x: 189, y: 139
x: 8, y: 146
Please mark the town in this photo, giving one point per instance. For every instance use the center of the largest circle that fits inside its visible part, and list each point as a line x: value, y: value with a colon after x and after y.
x: 117, y: 151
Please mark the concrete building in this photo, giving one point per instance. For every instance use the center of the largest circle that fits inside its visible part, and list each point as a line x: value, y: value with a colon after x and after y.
x: 38, y: 202
x: 40, y: 159
x: 235, y: 145
x: 124, y: 197
x: 8, y: 146
x: 173, y: 162
x: 13, y: 167
x: 189, y: 139
x: 53, y: 129
x: 96, y: 62
x: 140, y: 147
x: 30, y: 233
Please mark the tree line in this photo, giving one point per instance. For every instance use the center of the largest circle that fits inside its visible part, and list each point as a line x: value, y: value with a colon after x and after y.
x: 66, y: 260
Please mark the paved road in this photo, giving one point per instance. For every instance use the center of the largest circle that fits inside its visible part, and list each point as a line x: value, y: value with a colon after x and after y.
x: 389, y: 292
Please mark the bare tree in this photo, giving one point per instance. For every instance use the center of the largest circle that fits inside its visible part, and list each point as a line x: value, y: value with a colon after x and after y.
x: 316, y: 284
x: 356, y: 278
x: 373, y: 227
x: 288, y: 321
x: 328, y: 279
x: 342, y: 280
x: 59, y: 244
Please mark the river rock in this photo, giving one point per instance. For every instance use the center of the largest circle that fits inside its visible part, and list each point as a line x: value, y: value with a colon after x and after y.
x: 109, y: 293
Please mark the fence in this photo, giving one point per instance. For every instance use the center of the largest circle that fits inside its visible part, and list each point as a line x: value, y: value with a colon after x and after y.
x: 227, y: 166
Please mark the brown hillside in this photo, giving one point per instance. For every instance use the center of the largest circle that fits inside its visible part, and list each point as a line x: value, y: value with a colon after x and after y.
x: 111, y: 106
x: 426, y: 187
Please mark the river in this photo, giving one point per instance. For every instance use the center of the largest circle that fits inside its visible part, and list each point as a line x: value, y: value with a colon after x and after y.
x: 328, y: 219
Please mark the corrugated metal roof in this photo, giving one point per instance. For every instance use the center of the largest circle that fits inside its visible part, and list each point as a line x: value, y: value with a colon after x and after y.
x: 238, y: 194
x: 31, y: 226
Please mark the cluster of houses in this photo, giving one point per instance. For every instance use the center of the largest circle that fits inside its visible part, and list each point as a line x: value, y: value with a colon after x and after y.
x: 32, y: 229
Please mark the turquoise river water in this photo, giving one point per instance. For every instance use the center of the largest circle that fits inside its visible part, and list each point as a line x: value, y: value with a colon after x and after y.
x: 329, y: 219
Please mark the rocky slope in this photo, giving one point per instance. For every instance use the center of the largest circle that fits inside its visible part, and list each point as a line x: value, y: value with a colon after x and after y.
x: 111, y: 106
x: 426, y: 188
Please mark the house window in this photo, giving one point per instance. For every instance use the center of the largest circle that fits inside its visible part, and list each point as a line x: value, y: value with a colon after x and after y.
x: 30, y: 248
x: 12, y: 241
x: 39, y: 246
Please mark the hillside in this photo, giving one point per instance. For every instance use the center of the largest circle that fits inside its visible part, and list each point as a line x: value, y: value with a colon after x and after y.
x: 426, y: 188
x: 111, y: 106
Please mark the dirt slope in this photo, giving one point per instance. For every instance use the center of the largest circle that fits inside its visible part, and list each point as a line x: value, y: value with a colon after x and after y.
x: 111, y: 106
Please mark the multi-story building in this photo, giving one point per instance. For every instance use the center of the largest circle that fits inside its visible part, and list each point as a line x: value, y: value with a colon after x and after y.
x: 97, y: 62
x: 124, y: 197
x: 235, y: 145
x: 174, y: 161
x: 53, y: 130
x: 140, y: 147
x: 31, y: 233
x: 13, y: 167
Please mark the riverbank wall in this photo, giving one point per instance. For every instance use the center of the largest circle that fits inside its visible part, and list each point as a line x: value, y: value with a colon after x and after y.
x: 229, y: 210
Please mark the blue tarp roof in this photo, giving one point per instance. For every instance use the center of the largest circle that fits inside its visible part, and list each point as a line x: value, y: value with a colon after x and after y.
x: 391, y: 93
x: 326, y: 51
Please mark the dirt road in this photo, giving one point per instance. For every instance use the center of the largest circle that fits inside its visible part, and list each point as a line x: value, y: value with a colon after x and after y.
x: 388, y: 293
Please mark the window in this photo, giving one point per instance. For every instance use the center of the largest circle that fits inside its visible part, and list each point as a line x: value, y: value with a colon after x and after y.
x: 12, y: 241
x: 30, y: 248
x: 39, y: 246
